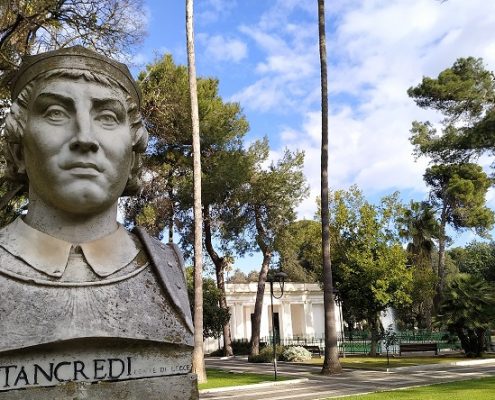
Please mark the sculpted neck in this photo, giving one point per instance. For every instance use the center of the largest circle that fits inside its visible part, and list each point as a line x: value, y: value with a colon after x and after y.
x: 71, y: 227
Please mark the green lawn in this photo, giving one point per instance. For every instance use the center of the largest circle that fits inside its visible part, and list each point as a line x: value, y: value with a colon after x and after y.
x: 476, y: 389
x: 221, y: 378
x: 367, y: 362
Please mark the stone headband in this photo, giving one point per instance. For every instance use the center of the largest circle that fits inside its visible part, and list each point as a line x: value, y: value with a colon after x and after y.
x: 76, y: 57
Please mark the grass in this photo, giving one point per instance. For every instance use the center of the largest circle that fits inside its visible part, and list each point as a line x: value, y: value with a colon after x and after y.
x: 379, y: 363
x: 221, y: 378
x: 475, y: 389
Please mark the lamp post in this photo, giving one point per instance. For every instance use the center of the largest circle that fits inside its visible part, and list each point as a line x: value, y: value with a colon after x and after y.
x: 280, y: 278
x: 338, y: 302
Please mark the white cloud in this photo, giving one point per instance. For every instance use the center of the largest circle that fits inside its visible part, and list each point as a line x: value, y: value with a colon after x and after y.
x: 139, y: 60
x: 220, y: 48
x: 377, y: 50
x: 262, y: 95
x: 210, y: 11
x: 361, y: 151
x: 285, y: 71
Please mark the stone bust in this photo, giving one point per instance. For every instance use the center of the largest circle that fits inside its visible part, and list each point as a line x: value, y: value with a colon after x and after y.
x: 83, y: 299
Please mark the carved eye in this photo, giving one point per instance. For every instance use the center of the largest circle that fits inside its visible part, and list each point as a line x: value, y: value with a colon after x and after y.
x: 107, y: 119
x: 56, y: 115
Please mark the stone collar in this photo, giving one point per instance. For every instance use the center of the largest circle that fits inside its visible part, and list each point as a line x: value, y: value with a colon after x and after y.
x: 50, y: 255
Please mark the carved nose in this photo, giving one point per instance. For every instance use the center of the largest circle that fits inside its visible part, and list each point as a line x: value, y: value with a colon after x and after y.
x: 84, y: 146
x: 84, y: 139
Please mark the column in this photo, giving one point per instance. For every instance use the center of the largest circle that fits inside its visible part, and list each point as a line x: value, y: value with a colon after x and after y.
x: 309, y: 329
x: 233, y: 321
x: 239, y: 329
x: 285, y: 320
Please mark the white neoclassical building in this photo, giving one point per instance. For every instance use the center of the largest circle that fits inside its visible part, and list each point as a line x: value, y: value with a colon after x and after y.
x: 298, y: 313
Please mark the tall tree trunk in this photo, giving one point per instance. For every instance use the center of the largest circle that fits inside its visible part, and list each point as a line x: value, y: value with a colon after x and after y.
x: 198, y: 353
x: 331, y: 364
x: 258, y: 305
x: 441, y: 260
x: 220, y: 265
x: 374, y: 325
x: 261, y: 240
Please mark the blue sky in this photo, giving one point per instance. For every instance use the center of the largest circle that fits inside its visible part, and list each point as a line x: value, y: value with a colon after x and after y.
x: 265, y: 54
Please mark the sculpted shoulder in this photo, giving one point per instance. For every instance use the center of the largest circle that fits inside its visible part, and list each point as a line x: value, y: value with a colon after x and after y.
x: 169, y: 266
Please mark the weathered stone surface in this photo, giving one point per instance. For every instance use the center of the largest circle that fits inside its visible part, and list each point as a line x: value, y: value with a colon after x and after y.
x: 91, y: 360
x: 181, y: 387
x: 88, y: 310
x: 133, y: 304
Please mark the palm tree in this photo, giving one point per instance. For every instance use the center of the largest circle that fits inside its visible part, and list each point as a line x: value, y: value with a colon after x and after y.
x: 420, y: 226
x: 198, y: 353
x: 331, y: 364
x: 468, y: 310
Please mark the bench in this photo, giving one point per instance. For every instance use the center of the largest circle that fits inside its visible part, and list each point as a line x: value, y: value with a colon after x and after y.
x: 314, y: 350
x: 412, y: 347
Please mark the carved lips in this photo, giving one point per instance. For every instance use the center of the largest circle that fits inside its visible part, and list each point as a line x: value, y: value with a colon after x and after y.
x: 83, y: 168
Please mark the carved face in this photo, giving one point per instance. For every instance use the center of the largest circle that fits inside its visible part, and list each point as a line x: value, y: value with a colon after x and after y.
x: 77, y: 145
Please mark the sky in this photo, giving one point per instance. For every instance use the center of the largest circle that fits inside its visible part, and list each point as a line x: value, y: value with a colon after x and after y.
x: 265, y: 55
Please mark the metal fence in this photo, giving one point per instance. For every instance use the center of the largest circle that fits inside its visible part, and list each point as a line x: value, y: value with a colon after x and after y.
x: 359, y: 342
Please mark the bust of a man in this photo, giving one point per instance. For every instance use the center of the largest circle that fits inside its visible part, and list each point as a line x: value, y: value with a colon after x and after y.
x: 82, y: 299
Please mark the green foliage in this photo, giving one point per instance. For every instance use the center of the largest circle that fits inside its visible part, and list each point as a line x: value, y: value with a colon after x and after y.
x: 295, y: 354
x: 266, y: 354
x: 221, y: 378
x: 245, y: 203
x: 457, y: 189
x: 240, y: 277
x: 237, y: 277
x: 419, y: 226
x: 465, y: 95
x: 269, y: 199
x: 368, y: 260
x: 267, y: 207
x: 473, y: 389
x: 460, y: 190
x: 389, y: 339
x: 113, y: 27
x: 214, y: 317
x: 167, y: 189
x: 477, y: 259
x: 13, y: 201
x: 253, y: 276
x: 468, y: 311
x: 299, y: 246
x: 240, y: 347
x: 462, y: 91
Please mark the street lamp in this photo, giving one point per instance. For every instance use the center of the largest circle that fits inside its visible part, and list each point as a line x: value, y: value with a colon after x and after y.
x: 279, y: 277
x: 338, y: 302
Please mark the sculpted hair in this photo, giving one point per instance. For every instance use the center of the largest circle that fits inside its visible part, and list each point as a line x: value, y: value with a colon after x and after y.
x: 15, y: 124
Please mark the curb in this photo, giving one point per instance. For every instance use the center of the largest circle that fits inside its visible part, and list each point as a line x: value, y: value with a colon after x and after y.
x: 253, y: 386
x: 440, y: 365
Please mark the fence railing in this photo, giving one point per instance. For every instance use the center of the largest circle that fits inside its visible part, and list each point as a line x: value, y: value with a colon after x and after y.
x: 359, y: 342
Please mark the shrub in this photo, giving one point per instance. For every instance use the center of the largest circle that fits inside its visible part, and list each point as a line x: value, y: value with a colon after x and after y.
x: 217, y: 353
x: 295, y: 354
x: 266, y: 355
x: 239, y: 347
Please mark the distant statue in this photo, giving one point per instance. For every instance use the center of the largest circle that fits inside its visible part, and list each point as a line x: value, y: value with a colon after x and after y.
x: 82, y: 299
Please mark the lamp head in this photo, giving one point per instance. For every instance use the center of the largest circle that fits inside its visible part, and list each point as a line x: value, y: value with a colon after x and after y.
x: 280, y: 276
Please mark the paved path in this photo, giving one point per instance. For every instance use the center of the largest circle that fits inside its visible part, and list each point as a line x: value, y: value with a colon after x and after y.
x: 349, y: 382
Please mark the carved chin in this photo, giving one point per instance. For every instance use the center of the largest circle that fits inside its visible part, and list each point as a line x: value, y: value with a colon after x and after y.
x: 83, y: 198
